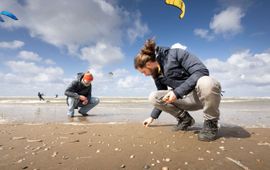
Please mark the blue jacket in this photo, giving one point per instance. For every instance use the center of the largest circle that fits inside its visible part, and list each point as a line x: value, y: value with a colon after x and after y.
x: 180, y: 71
x: 76, y: 88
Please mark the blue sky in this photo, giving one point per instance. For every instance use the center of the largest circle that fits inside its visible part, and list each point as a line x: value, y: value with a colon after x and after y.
x: 54, y: 40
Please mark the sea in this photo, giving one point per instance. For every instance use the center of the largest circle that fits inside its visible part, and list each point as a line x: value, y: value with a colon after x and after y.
x: 246, y: 111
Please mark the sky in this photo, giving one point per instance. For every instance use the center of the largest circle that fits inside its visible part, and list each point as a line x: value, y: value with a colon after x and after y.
x: 53, y: 40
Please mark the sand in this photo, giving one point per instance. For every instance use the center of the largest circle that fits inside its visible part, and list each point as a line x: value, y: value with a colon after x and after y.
x: 129, y: 146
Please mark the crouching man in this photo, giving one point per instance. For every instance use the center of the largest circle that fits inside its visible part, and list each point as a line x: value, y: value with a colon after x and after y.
x: 191, y: 87
x: 79, y: 95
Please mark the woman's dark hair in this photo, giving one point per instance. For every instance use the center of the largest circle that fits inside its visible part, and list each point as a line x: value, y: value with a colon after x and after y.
x: 146, y: 54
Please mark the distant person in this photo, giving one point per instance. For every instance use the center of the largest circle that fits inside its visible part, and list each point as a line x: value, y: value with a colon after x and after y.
x: 40, y: 96
x: 191, y: 87
x: 79, y: 95
x: 56, y: 96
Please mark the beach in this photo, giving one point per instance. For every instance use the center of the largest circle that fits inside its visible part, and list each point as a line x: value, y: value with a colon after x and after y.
x: 38, y: 135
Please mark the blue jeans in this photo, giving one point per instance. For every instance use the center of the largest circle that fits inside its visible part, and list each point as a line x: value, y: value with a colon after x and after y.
x: 74, y: 103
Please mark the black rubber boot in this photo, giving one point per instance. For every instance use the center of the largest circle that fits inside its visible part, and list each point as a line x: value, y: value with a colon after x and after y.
x: 209, y: 131
x: 184, y: 121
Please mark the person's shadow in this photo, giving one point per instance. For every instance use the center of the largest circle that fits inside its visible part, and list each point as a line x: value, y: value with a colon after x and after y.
x: 226, y: 131
x: 230, y: 131
x: 233, y: 132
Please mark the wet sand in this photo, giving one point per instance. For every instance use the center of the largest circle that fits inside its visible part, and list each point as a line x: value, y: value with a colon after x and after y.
x: 38, y: 135
x: 250, y: 113
x: 130, y: 146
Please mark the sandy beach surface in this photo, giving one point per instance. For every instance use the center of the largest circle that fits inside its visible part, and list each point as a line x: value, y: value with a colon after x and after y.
x: 38, y: 135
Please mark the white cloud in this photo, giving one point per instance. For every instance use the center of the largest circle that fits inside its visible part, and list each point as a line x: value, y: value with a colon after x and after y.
x: 76, y: 24
x: 101, y: 54
x: 49, y: 61
x: 243, y: 73
x: 28, y: 72
x: 29, y: 55
x: 137, y: 30
x: 228, y: 22
x: 12, y: 45
x: 204, y: 33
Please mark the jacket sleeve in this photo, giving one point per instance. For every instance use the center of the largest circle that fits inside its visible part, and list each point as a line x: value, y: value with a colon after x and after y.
x: 194, y: 67
x: 156, y: 112
x: 70, y: 91
x: 89, y: 93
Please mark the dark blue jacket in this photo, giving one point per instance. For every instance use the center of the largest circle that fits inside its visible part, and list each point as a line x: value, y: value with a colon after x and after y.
x: 180, y: 71
x: 76, y: 88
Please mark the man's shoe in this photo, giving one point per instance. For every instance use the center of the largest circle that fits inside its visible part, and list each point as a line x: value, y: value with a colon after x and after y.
x: 184, y: 121
x: 84, y: 114
x: 70, y: 116
x: 209, y: 131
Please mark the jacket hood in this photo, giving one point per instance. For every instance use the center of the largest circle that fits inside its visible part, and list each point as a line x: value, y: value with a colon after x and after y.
x: 162, y: 51
x: 79, y: 76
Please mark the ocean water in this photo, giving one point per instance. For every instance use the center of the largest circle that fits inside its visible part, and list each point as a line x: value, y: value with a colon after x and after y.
x: 246, y: 112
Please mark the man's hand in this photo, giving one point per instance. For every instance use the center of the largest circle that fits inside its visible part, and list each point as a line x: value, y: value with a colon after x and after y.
x: 83, y: 98
x: 169, y: 97
x: 85, y: 102
x: 148, y: 121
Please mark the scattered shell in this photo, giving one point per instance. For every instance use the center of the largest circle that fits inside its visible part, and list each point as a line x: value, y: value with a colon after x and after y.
x: 146, y: 167
x: 152, y: 164
x: 218, y: 153
x: 158, y: 161
x: 34, y: 140
x: 65, y: 157
x: 46, y: 149
x: 263, y: 143
x: 25, y: 167
x: 82, y: 132
x: 151, y: 153
x: 212, y: 159
x: 241, y: 147
x: 117, y: 149
x: 167, y: 159
x: 20, y: 161
x: 222, y: 141
x: 54, y: 154
x: 208, y: 151
x: 165, y: 168
x: 123, y: 166
x: 222, y: 148
x: 199, y: 148
x: 98, y: 151
x: 200, y: 159
x: 132, y: 156
x: 18, y: 138
x: 74, y: 141
x: 186, y: 163
x: 251, y: 152
x: 168, y: 146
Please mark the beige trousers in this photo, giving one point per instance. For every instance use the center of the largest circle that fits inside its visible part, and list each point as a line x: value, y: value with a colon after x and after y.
x: 206, y: 96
